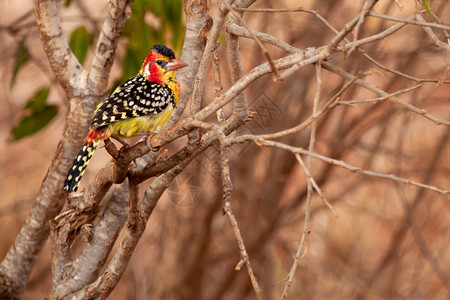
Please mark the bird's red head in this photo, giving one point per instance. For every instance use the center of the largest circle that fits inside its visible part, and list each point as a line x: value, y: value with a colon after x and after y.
x: 160, y: 64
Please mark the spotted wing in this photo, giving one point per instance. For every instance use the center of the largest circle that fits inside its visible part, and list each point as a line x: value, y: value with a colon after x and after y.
x: 135, y: 98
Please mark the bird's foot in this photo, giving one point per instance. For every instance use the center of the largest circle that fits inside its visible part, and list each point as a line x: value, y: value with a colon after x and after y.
x: 144, y: 139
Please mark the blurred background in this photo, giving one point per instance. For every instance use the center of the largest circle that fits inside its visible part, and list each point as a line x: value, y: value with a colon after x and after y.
x: 390, y: 240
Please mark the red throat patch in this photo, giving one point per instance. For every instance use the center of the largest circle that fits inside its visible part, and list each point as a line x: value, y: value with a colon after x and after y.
x: 156, y: 73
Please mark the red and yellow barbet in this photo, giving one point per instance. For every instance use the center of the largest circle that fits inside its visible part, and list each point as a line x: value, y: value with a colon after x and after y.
x: 143, y: 104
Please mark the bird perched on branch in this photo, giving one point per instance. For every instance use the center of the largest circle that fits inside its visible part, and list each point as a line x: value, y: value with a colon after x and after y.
x: 141, y: 105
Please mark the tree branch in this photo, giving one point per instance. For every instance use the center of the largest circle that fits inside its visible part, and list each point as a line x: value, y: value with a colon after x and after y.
x: 86, y: 267
x: 63, y: 62
x: 18, y: 262
x: 380, y: 92
x: 103, y: 59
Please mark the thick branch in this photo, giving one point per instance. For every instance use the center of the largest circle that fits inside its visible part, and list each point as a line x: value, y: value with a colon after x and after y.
x: 211, y: 45
x: 107, y: 44
x: 63, y: 62
x: 103, y: 286
x: 86, y: 267
x: 19, y: 260
x: 198, y: 24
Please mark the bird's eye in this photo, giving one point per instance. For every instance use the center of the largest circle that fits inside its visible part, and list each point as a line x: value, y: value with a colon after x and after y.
x: 161, y: 62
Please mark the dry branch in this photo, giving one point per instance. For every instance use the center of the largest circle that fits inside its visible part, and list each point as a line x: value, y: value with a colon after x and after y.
x: 17, y: 264
x: 260, y: 141
x: 83, y: 278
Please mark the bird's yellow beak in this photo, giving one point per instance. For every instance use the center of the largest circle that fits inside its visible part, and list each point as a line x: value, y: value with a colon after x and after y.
x: 175, y: 65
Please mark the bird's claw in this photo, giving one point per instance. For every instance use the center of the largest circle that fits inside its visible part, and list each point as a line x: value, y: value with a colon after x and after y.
x: 143, y: 139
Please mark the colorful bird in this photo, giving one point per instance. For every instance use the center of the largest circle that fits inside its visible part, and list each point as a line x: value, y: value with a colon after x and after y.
x: 142, y: 105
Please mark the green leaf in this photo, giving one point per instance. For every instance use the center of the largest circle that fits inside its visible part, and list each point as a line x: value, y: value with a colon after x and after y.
x: 37, y: 114
x: 22, y: 56
x: 426, y: 5
x: 80, y: 40
x: 39, y: 101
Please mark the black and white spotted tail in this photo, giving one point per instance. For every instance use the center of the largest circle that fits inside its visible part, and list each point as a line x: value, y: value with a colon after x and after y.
x: 79, y: 166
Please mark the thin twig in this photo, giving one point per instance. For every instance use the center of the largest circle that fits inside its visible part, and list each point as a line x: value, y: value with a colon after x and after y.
x: 242, y: 250
x: 264, y: 37
x: 290, y: 10
x: 442, y: 80
x: 312, y: 140
x: 307, y: 169
x: 315, y: 185
x: 271, y: 10
x: 209, y: 126
x: 431, y: 34
x: 264, y: 49
x: 447, y: 36
x: 301, y: 250
x: 330, y: 104
x: 227, y: 187
x: 262, y: 142
x: 420, y: 23
x: 373, y: 100
x: 381, y: 66
x: 399, y: 4
x: 421, y: 112
x: 267, y: 38
x: 362, y: 15
x: 348, y: 27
